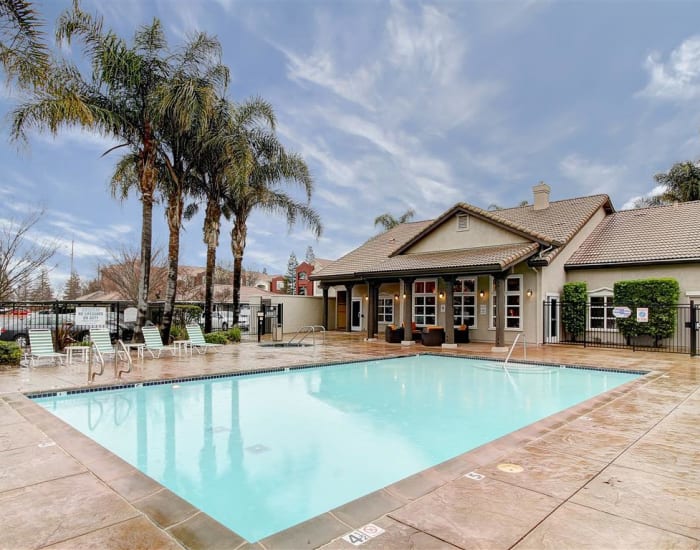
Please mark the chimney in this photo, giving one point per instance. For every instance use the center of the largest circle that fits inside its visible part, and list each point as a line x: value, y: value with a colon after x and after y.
x: 541, y: 192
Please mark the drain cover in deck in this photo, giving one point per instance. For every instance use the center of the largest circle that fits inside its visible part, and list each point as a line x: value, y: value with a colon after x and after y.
x: 510, y: 468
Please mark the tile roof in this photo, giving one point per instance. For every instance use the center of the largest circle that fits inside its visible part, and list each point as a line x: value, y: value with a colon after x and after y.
x: 557, y: 223
x: 374, y: 250
x: 499, y: 257
x: 646, y: 235
x: 384, y: 253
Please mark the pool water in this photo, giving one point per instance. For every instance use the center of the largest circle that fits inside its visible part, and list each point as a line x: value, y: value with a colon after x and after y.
x: 260, y: 453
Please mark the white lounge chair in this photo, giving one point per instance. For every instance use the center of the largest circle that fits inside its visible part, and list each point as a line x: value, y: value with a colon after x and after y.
x: 102, y: 344
x: 197, y: 340
x: 41, y: 347
x: 154, y: 343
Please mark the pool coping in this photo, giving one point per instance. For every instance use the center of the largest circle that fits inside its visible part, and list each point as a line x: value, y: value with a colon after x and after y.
x: 192, y: 528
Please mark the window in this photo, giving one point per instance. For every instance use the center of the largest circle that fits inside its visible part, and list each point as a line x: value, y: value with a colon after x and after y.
x: 424, y: 302
x: 514, y: 301
x: 279, y: 285
x: 302, y: 275
x: 601, y: 314
x: 302, y: 291
x: 385, y: 310
x: 464, y: 302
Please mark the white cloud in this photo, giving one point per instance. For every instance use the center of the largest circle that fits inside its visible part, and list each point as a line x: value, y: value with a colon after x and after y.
x: 654, y: 192
x: 679, y: 77
x: 593, y: 177
x: 319, y: 68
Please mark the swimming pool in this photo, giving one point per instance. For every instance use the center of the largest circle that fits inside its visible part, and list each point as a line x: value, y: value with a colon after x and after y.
x: 263, y: 452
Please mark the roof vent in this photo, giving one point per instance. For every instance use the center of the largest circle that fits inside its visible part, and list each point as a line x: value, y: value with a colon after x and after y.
x: 462, y: 222
x: 541, y: 193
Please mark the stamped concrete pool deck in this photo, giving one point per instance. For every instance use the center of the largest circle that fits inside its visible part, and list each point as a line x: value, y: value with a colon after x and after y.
x: 621, y: 470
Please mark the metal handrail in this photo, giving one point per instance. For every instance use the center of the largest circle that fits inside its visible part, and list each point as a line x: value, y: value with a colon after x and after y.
x: 305, y: 331
x: 512, y: 347
x: 121, y: 352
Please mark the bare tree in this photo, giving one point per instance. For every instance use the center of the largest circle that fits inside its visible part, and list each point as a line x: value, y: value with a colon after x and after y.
x: 21, y: 256
x: 123, y: 274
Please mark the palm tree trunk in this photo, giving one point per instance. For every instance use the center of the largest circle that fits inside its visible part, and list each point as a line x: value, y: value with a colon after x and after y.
x: 238, y: 237
x: 145, y: 267
x: 212, y: 227
x: 174, y: 215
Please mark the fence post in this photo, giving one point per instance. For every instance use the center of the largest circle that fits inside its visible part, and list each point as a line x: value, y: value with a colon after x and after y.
x: 693, y: 325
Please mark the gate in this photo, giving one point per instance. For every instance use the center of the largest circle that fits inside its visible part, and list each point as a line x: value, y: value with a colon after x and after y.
x: 654, y: 328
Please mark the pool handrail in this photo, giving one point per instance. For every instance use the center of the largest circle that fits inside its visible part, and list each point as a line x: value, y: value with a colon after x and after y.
x: 305, y: 331
x: 512, y: 347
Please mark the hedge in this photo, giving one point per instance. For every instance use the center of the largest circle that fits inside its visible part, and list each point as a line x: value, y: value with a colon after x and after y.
x: 659, y: 295
x: 573, y: 308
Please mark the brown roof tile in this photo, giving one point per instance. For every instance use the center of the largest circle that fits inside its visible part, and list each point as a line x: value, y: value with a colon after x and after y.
x: 492, y: 256
x: 385, y: 253
x: 647, y: 235
x: 560, y: 221
x: 374, y: 250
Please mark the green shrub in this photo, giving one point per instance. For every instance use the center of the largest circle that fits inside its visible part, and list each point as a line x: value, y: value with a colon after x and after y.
x: 10, y: 353
x: 184, y: 314
x: 178, y: 332
x: 234, y: 334
x: 659, y: 295
x: 573, y: 308
x: 216, y: 338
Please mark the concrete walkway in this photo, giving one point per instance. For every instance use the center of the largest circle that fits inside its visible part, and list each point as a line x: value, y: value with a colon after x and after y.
x: 621, y: 470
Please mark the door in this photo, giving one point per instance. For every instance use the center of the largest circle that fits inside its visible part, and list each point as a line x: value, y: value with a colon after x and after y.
x: 356, y: 321
x: 340, y: 308
x: 551, y: 312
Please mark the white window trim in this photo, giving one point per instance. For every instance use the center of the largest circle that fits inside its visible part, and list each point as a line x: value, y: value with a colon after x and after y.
x: 476, y: 300
x: 393, y: 309
x: 463, y: 222
x: 492, y: 296
x: 413, y: 300
x: 603, y: 292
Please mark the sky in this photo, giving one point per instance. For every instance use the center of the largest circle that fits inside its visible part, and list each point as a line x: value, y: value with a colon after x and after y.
x: 393, y: 105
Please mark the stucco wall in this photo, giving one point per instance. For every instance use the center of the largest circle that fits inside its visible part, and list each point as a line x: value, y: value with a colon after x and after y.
x: 480, y: 233
x: 553, y: 276
x: 300, y: 311
x: 687, y: 275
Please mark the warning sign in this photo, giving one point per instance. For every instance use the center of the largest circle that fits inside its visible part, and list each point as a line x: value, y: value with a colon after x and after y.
x: 90, y: 316
x: 642, y: 314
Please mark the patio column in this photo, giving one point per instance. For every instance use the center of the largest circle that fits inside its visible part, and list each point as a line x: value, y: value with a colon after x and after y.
x: 348, y: 306
x: 500, y: 345
x: 407, y: 307
x: 324, y: 289
x: 449, y: 310
x: 372, y: 293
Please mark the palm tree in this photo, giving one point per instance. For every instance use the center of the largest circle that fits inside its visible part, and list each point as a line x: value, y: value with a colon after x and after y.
x: 186, y: 104
x: 23, y: 52
x: 122, y: 99
x: 389, y: 222
x: 218, y: 161
x: 261, y: 188
x: 680, y: 184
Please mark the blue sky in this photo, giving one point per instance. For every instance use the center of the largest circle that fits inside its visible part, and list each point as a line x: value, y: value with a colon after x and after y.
x: 398, y: 105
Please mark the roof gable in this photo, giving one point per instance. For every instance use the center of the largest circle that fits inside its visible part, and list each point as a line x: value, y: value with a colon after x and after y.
x: 519, y: 234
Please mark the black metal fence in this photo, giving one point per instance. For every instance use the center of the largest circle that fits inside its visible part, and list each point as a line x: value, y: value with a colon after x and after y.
x: 17, y: 318
x: 600, y: 324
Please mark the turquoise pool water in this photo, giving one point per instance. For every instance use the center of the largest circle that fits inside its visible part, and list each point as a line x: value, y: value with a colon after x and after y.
x: 263, y: 452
